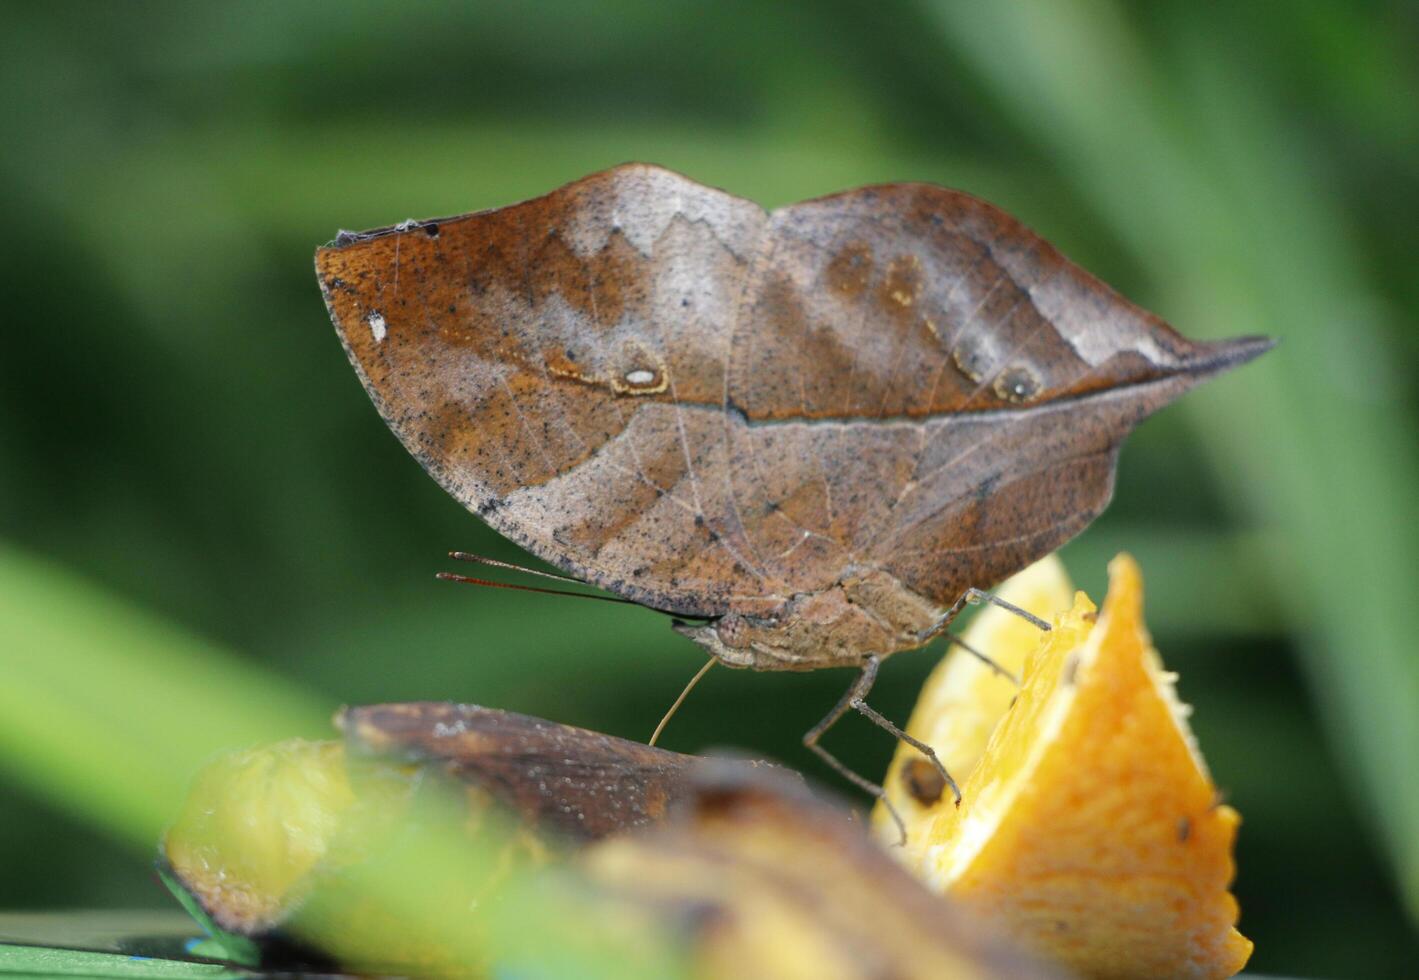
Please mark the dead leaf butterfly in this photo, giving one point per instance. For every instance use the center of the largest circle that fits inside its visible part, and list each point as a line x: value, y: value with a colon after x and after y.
x: 817, y: 430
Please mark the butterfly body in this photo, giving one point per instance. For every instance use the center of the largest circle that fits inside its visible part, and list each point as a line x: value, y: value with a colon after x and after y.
x: 868, y: 613
x: 813, y: 428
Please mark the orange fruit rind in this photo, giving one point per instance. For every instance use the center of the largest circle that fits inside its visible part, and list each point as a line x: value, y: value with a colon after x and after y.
x: 1090, y: 830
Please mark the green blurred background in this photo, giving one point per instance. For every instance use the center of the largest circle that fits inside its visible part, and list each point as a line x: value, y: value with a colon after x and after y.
x: 208, y: 536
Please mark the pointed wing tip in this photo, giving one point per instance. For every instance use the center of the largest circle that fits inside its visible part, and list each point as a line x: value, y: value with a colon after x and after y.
x: 1223, y: 355
x: 1201, y: 363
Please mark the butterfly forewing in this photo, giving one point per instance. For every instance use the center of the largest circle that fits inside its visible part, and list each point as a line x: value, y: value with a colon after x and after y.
x: 559, y: 367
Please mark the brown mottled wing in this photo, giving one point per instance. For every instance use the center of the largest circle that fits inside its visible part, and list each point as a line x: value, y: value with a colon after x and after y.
x: 662, y: 389
x: 581, y: 784
x: 922, y: 384
x: 558, y: 366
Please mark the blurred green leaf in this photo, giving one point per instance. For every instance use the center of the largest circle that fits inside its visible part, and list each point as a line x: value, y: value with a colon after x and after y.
x: 108, y: 711
x: 45, y: 961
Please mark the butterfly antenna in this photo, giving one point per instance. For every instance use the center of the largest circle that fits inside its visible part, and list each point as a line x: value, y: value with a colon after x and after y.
x: 554, y: 576
x: 470, y: 580
x: 498, y: 563
x: 655, y: 735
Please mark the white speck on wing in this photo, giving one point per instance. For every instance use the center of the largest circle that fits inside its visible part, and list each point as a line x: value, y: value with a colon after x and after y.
x: 378, y: 328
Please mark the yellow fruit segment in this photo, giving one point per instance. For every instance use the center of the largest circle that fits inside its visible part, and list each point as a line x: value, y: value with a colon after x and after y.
x: 254, y: 824
x: 963, y: 699
x: 1091, y: 831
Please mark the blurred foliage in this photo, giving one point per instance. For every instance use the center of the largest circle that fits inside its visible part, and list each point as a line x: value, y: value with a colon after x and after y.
x: 183, y: 442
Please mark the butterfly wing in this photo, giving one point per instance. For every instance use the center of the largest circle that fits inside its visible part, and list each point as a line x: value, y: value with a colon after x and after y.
x: 662, y: 389
x: 922, y: 384
x: 558, y: 366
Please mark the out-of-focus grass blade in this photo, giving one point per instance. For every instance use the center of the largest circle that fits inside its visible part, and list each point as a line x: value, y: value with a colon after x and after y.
x: 44, y: 961
x: 1198, y: 171
x: 107, y: 711
x: 104, y: 944
x: 1190, y: 569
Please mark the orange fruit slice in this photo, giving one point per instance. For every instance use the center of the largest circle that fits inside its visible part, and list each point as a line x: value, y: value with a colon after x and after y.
x: 1090, y: 830
x: 963, y: 699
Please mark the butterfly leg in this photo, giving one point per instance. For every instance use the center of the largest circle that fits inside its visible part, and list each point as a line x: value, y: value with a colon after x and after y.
x: 855, y: 699
x: 853, y: 694
x: 984, y: 658
x: 974, y: 597
x: 873, y: 715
